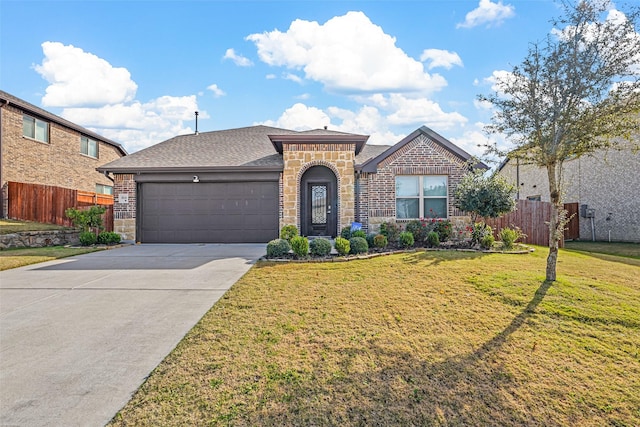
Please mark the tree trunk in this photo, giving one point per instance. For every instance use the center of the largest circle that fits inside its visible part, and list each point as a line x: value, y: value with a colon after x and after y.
x: 556, y: 222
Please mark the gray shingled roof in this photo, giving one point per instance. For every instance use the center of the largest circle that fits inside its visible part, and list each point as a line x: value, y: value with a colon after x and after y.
x: 233, y: 149
x: 44, y: 114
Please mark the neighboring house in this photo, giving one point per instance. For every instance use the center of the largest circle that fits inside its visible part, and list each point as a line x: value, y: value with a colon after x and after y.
x: 605, y: 185
x: 243, y: 185
x: 37, y: 147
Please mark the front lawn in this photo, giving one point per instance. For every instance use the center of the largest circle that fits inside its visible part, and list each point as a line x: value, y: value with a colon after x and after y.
x: 12, y: 258
x: 425, y: 338
x: 8, y: 226
x: 631, y: 250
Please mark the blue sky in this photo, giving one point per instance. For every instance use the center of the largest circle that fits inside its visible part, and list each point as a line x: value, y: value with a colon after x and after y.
x: 135, y: 71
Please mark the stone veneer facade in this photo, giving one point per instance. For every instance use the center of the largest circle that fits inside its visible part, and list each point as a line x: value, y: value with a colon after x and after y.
x: 377, y: 191
x: 298, y: 158
x: 124, y: 206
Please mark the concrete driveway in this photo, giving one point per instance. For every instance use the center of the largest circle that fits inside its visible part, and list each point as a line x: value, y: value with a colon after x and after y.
x: 79, y: 335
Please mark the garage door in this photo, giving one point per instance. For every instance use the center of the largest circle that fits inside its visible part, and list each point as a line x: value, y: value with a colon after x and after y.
x: 233, y: 212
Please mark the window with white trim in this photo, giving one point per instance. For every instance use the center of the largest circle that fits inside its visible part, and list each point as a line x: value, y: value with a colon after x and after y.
x: 419, y: 196
x: 89, y: 147
x: 35, y: 128
x: 104, y: 189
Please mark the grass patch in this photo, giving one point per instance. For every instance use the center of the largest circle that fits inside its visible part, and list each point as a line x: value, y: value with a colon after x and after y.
x: 631, y: 250
x: 425, y: 338
x: 12, y: 258
x: 9, y: 226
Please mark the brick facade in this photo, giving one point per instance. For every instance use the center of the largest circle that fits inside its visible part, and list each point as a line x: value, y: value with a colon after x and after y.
x: 57, y: 163
x: 421, y: 156
x: 607, y: 181
x: 124, y: 206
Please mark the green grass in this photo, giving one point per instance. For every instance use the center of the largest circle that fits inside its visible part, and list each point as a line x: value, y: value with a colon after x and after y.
x: 12, y: 258
x: 8, y: 226
x: 631, y: 250
x: 426, y: 338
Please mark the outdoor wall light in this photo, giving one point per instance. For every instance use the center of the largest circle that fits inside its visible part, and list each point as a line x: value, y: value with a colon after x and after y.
x: 196, y: 179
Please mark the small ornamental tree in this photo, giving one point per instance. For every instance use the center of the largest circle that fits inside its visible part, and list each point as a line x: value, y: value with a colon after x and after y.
x: 485, y: 196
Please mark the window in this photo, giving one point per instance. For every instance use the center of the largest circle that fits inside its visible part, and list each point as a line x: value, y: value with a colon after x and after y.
x: 88, y: 146
x: 104, y: 189
x: 35, y: 128
x: 534, y: 198
x: 421, y: 196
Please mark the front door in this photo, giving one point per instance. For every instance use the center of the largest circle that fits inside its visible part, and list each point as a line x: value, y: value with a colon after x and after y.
x: 320, y: 211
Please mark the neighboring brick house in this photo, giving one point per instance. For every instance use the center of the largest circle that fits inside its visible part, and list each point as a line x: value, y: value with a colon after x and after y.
x: 605, y: 184
x: 37, y: 147
x: 243, y: 185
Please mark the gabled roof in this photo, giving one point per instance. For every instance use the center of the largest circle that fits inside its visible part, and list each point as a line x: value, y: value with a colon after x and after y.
x: 371, y: 164
x: 9, y: 99
x: 320, y: 137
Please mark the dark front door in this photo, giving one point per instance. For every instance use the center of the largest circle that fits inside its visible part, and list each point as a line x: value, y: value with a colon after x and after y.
x: 319, y: 209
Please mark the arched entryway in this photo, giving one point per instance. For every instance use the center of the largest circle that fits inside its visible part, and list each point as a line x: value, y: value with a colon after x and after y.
x: 318, y: 202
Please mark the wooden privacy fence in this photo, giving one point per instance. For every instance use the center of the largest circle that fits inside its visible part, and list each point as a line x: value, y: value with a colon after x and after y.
x: 533, y: 217
x: 47, y: 204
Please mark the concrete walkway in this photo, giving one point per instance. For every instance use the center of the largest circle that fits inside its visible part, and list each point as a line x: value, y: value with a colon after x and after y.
x: 79, y: 335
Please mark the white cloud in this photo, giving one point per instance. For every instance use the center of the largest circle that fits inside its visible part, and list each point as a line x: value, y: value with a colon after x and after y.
x: 237, y: 59
x: 300, y: 117
x: 100, y: 97
x: 79, y: 78
x: 369, y: 60
x: 217, y: 92
x: 138, y: 125
x: 498, y: 80
x: 491, y: 14
x: 420, y: 111
x: 440, y: 58
x: 271, y: 76
x: 482, y: 105
x: 293, y: 77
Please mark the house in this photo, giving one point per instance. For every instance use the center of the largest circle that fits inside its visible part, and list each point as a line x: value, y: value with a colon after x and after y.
x: 37, y: 147
x: 604, y: 185
x: 243, y: 185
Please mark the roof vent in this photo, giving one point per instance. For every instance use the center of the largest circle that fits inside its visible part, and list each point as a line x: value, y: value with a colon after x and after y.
x: 197, y: 122
x: 325, y: 127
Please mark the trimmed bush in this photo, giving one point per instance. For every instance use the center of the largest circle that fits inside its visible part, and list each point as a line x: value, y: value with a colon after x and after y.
x: 433, y: 239
x: 418, y: 229
x: 87, y: 238
x: 278, y: 248
x: 380, y: 241
x: 108, y: 238
x: 487, y: 241
x: 358, y: 245
x: 444, y: 230
x: 391, y: 231
x: 359, y: 233
x: 510, y: 236
x: 345, y: 233
x: 288, y: 232
x: 320, y: 247
x: 370, y: 238
x: 300, y: 246
x: 406, y: 239
x: 342, y: 245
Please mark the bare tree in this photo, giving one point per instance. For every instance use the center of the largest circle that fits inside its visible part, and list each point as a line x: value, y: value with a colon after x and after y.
x: 576, y: 92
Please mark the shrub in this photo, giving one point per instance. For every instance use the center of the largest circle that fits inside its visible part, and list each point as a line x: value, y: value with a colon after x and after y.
x: 380, y: 241
x: 433, y: 239
x: 342, y: 245
x: 509, y: 236
x: 444, y: 230
x: 288, y: 232
x: 480, y: 229
x: 418, y: 229
x: 358, y: 245
x: 86, y: 219
x: 370, y: 238
x: 406, y: 239
x: 87, y: 238
x: 359, y: 233
x: 278, y: 248
x: 300, y: 246
x: 487, y: 241
x: 391, y: 231
x: 108, y: 238
x: 320, y: 247
x: 345, y: 233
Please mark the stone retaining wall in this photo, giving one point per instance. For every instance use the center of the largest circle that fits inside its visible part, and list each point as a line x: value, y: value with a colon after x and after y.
x: 39, y: 239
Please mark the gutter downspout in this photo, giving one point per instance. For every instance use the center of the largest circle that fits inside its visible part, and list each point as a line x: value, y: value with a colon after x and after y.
x: 3, y: 214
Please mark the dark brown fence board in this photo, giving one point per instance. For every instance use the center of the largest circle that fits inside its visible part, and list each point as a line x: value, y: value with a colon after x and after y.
x: 47, y: 204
